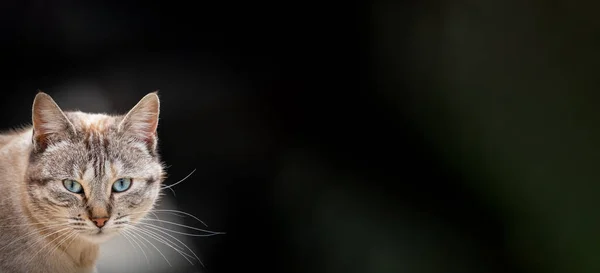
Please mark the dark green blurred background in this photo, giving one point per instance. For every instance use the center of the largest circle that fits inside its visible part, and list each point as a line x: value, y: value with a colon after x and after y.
x: 350, y: 136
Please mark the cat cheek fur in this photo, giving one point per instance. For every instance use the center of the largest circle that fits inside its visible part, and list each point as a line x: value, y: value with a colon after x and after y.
x: 137, y: 204
x: 55, y: 204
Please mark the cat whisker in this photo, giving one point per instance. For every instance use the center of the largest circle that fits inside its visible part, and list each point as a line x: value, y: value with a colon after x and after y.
x: 134, y: 236
x: 169, y: 211
x: 72, y: 240
x: 49, y: 221
x: 30, y: 224
x: 64, y: 240
x: 160, y: 239
x: 182, y: 225
x: 33, y: 222
x: 175, y: 238
x: 142, y: 237
x: 125, y: 232
x: 140, y: 229
x: 31, y: 233
x: 122, y: 232
x: 153, y: 213
x: 11, y: 218
x: 172, y: 185
x: 61, y: 238
x: 177, y: 232
x: 49, y: 243
x: 175, y: 212
x: 164, y: 241
x: 172, y: 190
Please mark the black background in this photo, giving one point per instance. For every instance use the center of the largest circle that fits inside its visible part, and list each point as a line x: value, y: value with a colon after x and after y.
x: 275, y: 104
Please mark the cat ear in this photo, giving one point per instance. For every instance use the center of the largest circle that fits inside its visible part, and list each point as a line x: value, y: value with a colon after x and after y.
x: 48, y: 120
x: 142, y: 120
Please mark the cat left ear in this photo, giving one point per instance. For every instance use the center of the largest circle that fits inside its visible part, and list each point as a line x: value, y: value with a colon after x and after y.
x: 48, y: 120
x: 142, y: 120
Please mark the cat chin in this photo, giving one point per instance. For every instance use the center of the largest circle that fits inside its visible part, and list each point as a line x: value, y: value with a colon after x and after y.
x: 98, y: 238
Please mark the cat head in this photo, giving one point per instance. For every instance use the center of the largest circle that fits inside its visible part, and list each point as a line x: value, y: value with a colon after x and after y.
x: 93, y: 174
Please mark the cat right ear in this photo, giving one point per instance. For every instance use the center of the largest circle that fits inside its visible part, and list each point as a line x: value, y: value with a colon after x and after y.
x: 48, y: 120
x: 142, y: 120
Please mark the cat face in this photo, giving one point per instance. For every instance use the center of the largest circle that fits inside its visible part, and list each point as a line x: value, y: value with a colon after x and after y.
x: 93, y: 174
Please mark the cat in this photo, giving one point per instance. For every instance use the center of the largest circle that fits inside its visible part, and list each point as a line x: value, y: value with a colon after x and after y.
x: 73, y: 180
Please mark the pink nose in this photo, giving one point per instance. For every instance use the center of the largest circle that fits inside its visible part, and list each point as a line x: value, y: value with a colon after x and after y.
x: 100, y: 221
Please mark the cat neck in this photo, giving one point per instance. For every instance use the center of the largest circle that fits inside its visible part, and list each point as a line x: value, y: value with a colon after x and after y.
x: 83, y: 253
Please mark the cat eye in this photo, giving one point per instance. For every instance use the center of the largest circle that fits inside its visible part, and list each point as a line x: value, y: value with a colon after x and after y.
x: 72, y: 186
x: 121, y: 185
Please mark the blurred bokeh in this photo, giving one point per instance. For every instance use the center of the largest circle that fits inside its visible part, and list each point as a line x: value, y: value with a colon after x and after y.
x: 349, y: 136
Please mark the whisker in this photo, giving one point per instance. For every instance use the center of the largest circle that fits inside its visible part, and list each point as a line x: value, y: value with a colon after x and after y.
x: 173, y: 191
x: 153, y: 213
x: 186, y: 226
x: 182, y: 212
x: 33, y: 232
x: 125, y: 232
x: 142, y: 242
x: 155, y: 216
x: 48, y: 243
x: 177, y: 232
x: 128, y: 240
x: 158, y: 230
x: 72, y: 240
x: 170, y: 211
x: 71, y: 234
x: 30, y: 224
x: 172, y: 185
x: 164, y: 241
x: 142, y: 237
x: 141, y: 229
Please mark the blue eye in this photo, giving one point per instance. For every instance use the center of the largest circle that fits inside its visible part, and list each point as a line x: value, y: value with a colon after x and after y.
x: 121, y: 185
x: 72, y: 186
